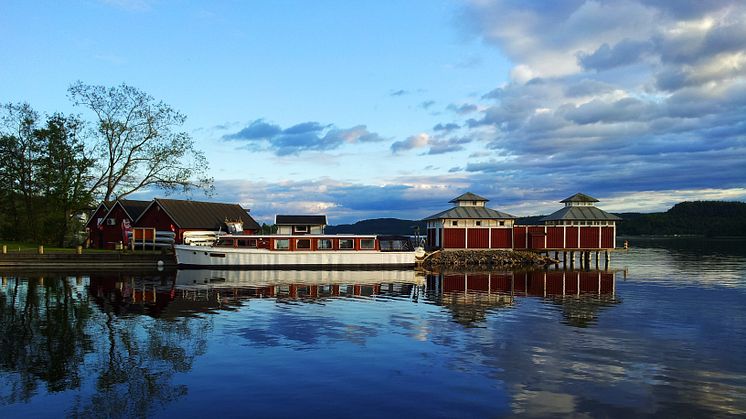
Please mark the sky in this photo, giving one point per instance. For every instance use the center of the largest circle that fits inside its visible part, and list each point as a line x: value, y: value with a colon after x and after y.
x: 367, y: 109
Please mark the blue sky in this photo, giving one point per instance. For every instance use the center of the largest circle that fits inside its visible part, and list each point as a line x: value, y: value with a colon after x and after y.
x: 381, y: 108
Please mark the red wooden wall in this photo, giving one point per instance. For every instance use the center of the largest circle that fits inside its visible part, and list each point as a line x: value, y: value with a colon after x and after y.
x: 502, y: 238
x: 479, y: 238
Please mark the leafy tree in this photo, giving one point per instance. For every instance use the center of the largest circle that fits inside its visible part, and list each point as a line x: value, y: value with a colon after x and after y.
x: 45, y: 173
x: 64, y: 172
x: 138, y: 144
x: 19, y: 153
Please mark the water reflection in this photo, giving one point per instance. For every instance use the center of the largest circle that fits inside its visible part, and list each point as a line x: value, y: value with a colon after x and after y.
x: 54, y: 339
x: 247, y: 343
x: 472, y: 296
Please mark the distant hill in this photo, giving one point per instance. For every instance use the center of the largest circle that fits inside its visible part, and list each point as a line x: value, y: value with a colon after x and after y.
x: 708, y: 218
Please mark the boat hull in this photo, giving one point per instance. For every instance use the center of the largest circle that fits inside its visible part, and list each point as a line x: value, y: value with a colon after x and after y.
x: 232, y: 258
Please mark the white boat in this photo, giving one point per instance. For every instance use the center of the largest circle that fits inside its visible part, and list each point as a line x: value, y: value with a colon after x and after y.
x: 239, y: 251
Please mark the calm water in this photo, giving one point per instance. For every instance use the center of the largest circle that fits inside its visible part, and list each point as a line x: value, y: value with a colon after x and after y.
x: 666, y: 337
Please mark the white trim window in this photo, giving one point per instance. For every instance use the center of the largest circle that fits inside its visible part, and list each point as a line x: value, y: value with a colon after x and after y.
x: 367, y: 244
x: 282, y: 244
x: 304, y: 244
x: 346, y: 244
x: 324, y: 244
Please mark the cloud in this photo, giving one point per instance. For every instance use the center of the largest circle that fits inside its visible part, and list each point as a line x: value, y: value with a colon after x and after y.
x: 427, y: 104
x: 618, y: 97
x: 446, y: 127
x: 462, y: 109
x: 399, y: 92
x: 436, y: 145
x: 412, y: 142
x: 306, y: 136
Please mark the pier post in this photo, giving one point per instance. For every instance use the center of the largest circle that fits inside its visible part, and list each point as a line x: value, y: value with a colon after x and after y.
x: 5, y: 249
x: 572, y: 259
x: 597, y: 259
x: 41, y: 249
x: 79, y: 250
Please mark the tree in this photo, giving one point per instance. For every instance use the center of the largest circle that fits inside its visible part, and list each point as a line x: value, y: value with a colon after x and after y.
x: 64, y: 172
x: 19, y: 153
x: 137, y: 143
x: 45, y: 174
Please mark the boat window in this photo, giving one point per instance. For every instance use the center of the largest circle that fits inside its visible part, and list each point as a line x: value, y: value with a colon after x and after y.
x: 300, y: 229
x: 303, y: 244
x: 282, y: 244
x: 367, y: 244
x: 224, y: 243
x: 246, y: 242
x: 324, y: 244
x: 346, y: 244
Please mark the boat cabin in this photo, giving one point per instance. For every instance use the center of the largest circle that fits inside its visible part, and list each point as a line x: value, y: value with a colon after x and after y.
x: 300, y: 224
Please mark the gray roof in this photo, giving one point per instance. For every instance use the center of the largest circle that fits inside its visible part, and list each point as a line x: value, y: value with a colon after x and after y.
x: 313, y: 220
x: 581, y: 214
x: 579, y: 197
x: 133, y: 208
x: 470, y: 213
x: 468, y: 197
x: 205, y: 215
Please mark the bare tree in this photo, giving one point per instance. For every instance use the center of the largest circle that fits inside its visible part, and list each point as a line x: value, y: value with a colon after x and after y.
x: 138, y: 143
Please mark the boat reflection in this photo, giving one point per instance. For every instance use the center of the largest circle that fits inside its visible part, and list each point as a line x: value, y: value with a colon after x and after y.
x: 469, y: 296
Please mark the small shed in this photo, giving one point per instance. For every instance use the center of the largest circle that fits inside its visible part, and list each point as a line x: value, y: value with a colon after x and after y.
x: 470, y: 225
x: 180, y: 216
x: 300, y: 224
x: 111, y: 228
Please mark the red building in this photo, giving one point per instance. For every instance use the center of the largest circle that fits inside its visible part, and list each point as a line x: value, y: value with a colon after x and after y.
x: 107, y: 230
x: 470, y: 225
x: 180, y: 216
x: 580, y: 225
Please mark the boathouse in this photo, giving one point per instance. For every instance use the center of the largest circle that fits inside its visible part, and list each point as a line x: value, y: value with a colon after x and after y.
x: 97, y: 216
x: 470, y: 225
x: 300, y: 224
x: 111, y: 228
x: 580, y: 225
x: 181, y: 216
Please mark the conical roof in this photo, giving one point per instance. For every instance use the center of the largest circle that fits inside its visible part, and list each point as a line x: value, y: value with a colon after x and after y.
x: 468, y: 197
x: 579, y: 197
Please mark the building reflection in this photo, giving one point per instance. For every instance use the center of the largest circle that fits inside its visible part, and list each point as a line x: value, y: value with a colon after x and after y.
x: 472, y: 296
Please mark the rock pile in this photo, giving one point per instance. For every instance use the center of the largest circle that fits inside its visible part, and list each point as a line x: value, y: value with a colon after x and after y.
x: 455, y: 260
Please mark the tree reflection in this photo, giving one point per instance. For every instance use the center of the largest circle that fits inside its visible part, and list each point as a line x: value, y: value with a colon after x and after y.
x: 54, y: 339
x: 43, y: 337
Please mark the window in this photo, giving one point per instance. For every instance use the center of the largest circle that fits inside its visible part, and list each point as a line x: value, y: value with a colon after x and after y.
x: 300, y: 229
x: 224, y: 243
x: 367, y: 244
x: 479, y: 223
x: 282, y: 244
x: 246, y: 242
x: 111, y: 222
x: 324, y: 244
x: 502, y: 223
x: 346, y: 244
x: 303, y: 244
x: 454, y: 223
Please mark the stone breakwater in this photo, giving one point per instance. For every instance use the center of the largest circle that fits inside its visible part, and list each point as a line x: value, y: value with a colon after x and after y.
x: 484, y: 260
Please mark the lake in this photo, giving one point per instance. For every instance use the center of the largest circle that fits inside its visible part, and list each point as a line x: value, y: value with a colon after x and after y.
x: 662, y: 332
